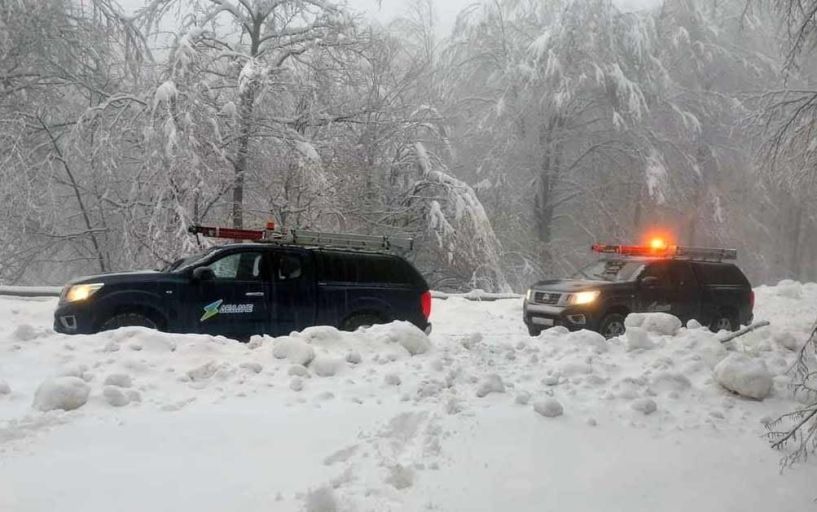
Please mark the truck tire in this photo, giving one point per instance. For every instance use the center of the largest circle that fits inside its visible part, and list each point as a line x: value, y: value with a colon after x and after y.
x: 358, y: 320
x: 724, y: 321
x: 612, y: 325
x: 128, y: 320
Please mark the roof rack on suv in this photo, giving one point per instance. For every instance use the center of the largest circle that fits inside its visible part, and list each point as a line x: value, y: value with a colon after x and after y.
x: 668, y: 251
x: 309, y: 238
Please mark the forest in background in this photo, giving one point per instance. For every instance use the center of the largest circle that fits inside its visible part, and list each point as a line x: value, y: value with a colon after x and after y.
x: 531, y: 130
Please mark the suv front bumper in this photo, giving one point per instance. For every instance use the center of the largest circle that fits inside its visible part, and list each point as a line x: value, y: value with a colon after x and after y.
x: 544, y: 316
x: 73, y: 319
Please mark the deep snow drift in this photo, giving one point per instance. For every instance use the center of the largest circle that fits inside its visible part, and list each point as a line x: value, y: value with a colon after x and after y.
x: 479, y: 416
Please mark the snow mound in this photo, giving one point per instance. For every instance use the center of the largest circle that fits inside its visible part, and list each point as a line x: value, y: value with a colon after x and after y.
x: 321, y: 500
x: 294, y: 350
x: 638, y: 338
x: 788, y: 340
x: 5, y: 389
x: 24, y: 332
x: 66, y: 393
x: 549, y: 407
x: 490, y: 384
x: 405, y: 334
x: 655, y: 323
x: 745, y: 376
x: 790, y: 289
x: 587, y: 339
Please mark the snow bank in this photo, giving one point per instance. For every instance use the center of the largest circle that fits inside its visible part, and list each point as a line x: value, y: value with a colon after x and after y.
x: 745, y: 376
x: 66, y: 393
x: 654, y: 323
x: 294, y: 350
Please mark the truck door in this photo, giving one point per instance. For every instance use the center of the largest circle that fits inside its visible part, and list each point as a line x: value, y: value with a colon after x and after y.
x: 293, y: 303
x: 235, y: 302
x: 686, y: 296
x: 655, y: 293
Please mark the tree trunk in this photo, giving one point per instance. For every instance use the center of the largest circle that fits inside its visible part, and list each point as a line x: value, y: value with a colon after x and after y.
x: 794, y: 241
x: 240, y: 164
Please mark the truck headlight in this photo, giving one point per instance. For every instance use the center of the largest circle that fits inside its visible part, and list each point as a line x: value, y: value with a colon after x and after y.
x: 529, y: 295
x: 577, y: 299
x: 80, y: 292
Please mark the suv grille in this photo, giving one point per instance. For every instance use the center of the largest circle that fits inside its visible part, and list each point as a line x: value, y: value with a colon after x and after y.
x: 546, y: 298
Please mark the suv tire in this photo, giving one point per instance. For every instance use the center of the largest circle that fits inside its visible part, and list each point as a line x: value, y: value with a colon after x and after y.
x: 359, y: 320
x: 612, y: 325
x: 724, y: 321
x: 128, y: 320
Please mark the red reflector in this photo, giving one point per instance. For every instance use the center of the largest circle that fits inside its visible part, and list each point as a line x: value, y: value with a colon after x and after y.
x: 425, y: 303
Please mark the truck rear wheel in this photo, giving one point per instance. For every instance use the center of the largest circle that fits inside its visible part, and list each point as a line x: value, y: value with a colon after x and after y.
x: 128, y: 320
x: 612, y: 325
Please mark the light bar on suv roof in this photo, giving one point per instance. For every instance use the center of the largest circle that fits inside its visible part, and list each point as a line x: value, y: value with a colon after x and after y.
x: 672, y: 251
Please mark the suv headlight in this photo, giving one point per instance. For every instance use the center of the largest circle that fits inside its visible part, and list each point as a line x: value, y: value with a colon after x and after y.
x: 588, y: 297
x: 529, y: 295
x: 80, y: 292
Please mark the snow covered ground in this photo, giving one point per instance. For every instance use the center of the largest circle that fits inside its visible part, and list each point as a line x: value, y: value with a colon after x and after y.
x: 478, y: 417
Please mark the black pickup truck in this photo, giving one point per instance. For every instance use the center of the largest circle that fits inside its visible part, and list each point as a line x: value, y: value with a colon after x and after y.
x: 600, y: 296
x: 237, y: 290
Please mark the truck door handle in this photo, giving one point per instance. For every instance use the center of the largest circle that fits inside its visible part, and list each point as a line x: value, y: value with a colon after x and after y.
x: 254, y: 294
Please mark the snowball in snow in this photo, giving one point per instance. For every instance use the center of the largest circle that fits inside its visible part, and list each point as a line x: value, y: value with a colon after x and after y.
x: 24, y: 332
x: 549, y: 407
x: 4, y: 387
x: 66, y: 393
x: 325, y: 366
x: 400, y: 477
x: 118, y: 379
x: 550, y: 380
x: 586, y: 338
x: 522, y: 398
x: 644, y: 405
x: 788, y: 340
x: 655, y: 323
x: 745, y: 376
x: 115, y: 396
x: 296, y: 384
x: 392, y: 379
x: 694, y: 324
x: 298, y: 370
x: 354, y: 357
x: 490, y: 384
x: 294, y: 350
x: 321, y: 500
x: 637, y: 338
x: 251, y: 366
x: 202, y: 372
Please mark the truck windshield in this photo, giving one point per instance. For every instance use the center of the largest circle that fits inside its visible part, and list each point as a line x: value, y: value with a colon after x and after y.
x: 610, y: 270
x: 186, y: 261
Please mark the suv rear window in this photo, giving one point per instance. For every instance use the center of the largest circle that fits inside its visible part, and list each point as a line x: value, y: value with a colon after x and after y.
x: 720, y: 273
x: 364, y: 268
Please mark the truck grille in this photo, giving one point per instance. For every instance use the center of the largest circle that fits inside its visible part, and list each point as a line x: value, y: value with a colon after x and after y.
x: 546, y: 298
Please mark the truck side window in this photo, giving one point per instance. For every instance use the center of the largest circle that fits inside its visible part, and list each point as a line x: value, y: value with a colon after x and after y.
x: 660, y: 271
x: 682, y: 275
x: 239, y: 266
x: 287, y: 267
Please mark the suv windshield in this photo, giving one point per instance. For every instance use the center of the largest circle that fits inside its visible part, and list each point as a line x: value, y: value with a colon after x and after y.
x: 610, y: 270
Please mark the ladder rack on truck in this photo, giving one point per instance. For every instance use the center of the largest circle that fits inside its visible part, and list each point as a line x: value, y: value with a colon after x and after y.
x: 309, y: 238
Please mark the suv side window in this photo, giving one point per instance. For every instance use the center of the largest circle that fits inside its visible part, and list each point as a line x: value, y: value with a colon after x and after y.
x: 660, y: 271
x: 287, y: 267
x: 240, y: 266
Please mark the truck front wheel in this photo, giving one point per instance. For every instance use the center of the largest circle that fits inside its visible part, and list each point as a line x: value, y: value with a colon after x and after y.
x: 612, y: 325
x: 128, y: 320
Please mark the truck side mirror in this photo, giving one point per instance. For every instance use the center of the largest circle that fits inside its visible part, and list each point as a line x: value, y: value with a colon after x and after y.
x: 650, y: 282
x: 203, y: 274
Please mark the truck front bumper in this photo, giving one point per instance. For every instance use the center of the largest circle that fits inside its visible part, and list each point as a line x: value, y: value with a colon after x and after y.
x: 74, y: 319
x: 544, y: 316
